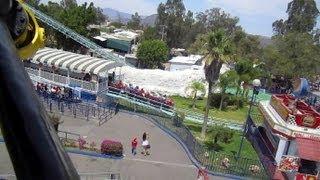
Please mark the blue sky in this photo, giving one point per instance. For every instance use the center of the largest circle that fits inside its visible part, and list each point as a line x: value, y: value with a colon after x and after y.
x: 256, y: 16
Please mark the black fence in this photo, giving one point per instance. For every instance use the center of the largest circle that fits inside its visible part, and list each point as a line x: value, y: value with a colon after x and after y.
x: 86, y: 111
x: 215, y: 162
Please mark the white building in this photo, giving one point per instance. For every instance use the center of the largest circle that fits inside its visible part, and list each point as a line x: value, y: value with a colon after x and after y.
x: 186, y: 62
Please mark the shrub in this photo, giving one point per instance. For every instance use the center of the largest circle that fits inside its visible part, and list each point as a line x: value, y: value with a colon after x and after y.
x: 112, y: 148
x: 221, y: 134
x: 230, y: 100
x: 69, y: 143
x: 82, y: 143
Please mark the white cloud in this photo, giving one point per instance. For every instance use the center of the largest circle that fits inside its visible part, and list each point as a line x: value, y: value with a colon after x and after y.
x: 273, y: 8
x: 143, y: 7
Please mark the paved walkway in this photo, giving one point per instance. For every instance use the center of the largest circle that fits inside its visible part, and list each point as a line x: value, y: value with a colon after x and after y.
x: 167, y: 161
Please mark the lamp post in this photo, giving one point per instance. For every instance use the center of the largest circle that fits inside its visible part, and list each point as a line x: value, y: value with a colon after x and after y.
x: 256, y: 86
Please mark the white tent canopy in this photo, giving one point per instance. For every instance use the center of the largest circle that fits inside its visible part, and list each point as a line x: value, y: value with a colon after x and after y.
x: 73, y: 62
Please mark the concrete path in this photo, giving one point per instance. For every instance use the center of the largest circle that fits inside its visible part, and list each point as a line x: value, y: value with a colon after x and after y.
x: 168, y: 160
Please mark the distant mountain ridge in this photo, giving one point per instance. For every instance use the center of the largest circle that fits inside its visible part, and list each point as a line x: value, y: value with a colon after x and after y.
x: 115, y: 15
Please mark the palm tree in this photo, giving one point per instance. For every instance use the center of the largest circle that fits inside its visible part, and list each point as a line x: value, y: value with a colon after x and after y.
x: 216, y: 46
x: 227, y: 80
x: 195, y: 87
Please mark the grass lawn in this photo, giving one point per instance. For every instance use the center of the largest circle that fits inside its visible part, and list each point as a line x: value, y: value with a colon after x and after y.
x: 232, y: 115
x: 232, y: 147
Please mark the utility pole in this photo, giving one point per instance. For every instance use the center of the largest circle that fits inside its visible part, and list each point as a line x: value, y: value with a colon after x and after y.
x: 163, y: 31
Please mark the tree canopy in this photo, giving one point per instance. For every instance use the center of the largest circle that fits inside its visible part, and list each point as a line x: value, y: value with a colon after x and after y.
x: 151, y: 53
x: 171, y: 20
x: 302, y: 18
x: 76, y: 17
x: 135, y: 21
x: 295, y: 51
x: 293, y: 55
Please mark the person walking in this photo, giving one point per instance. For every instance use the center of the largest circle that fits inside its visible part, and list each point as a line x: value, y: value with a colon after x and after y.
x: 145, y: 144
x: 202, y: 174
x: 134, y: 144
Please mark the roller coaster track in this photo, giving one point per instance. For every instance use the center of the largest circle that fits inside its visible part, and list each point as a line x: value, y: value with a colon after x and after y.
x: 75, y: 36
x: 189, y: 115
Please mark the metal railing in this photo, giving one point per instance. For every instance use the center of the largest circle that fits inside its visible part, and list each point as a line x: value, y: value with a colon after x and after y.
x: 75, y: 36
x: 83, y: 176
x: 56, y: 78
x: 91, y: 86
x: 100, y: 176
x: 190, y: 115
x: 68, y: 135
x: 86, y: 111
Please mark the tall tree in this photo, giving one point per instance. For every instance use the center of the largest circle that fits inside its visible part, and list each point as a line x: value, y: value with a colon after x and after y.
x: 217, y: 47
x: 150, y: 33
x: 302, y: 17
x: 152, y: 53
x: 135, y: 21
x: 75, y: 17
x: 215, y: 18
x: 171, y: 18
x: 68, y: 3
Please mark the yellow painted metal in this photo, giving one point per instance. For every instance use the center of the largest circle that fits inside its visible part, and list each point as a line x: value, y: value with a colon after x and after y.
x: 36, y: 41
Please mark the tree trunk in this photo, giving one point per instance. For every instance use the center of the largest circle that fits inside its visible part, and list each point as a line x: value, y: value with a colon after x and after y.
x: 206, y: 115
x: 221, y: 101
x: 194, y: 100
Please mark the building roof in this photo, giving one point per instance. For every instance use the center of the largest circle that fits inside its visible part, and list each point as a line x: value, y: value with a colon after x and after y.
x: 308, y: 149
x: 73, y: 62
x: 192, y: 59
x: 120, y: 34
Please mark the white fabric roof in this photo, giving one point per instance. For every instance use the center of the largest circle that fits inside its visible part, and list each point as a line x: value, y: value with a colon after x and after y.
x: 192, y: 59
x: 73, y: 62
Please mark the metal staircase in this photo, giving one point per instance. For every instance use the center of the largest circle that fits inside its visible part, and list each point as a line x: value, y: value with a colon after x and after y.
x: 75, y: 36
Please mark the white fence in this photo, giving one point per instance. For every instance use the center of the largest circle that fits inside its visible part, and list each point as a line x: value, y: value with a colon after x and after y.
x: 58, y: 79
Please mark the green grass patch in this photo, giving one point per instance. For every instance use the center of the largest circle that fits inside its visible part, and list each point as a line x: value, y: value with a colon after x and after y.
x: 230, y: 148
x: 238, y: 115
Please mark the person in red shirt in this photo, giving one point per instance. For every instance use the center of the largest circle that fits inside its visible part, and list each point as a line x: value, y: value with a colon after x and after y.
x: 134, y: 144
x: 202, y: 174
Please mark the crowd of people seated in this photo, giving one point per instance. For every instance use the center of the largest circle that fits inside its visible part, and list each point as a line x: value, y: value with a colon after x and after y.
x: 56, y: 92
x: 141, y: 93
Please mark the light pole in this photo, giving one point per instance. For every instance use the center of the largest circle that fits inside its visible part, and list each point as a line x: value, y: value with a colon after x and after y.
x: 256, y: 85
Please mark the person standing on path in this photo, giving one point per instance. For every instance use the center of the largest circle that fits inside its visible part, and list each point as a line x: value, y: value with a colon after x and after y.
x: 145, y: 144
x: 202, y: 174
x: 134, y: 144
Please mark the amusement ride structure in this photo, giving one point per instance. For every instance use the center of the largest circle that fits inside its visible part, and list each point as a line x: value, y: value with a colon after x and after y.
x: 288, y: 141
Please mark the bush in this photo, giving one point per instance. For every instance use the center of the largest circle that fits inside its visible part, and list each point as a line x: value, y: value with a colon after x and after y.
x: 82, y: 142
x: 229, y: 100
x: 112, y: 148
x: 221, y: 134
